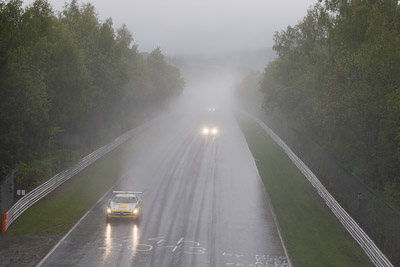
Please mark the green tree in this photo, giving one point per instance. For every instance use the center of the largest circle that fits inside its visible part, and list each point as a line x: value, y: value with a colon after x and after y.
x: 69, y: 75
x: 336, y: 79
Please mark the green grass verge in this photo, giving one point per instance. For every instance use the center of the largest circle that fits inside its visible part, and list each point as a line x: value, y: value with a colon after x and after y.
x: 312, y: 234
x: 61, y: 209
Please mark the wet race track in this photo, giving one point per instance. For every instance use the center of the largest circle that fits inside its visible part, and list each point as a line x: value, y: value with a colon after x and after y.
x: 203, y: 202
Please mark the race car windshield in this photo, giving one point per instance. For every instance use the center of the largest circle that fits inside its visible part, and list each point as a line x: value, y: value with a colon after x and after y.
x: 125, y: 200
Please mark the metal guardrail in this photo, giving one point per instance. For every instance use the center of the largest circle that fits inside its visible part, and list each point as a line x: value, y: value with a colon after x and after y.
x: 41, y: 191
x: 369, y: 247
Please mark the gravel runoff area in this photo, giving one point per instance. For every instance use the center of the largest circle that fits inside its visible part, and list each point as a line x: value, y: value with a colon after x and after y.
x: 25, y: 251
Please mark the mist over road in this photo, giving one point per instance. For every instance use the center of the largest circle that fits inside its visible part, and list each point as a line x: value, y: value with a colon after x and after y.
x: 203, y: 203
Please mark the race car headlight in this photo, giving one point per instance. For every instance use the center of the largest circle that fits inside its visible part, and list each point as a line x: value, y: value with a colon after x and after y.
x: 136, y: 211
x: 214, y: 131
x: 205, y: 131
x: 108, y: 210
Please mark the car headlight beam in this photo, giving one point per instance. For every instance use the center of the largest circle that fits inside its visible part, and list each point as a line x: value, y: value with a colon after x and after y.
x: 210, y: 131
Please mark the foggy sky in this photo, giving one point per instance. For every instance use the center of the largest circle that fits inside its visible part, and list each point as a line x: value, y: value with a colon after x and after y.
x: 200, y: 26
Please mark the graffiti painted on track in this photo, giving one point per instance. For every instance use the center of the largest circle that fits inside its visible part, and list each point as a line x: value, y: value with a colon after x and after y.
x: 191, y: 247
x: 186, y: 246
x: 257, y: 260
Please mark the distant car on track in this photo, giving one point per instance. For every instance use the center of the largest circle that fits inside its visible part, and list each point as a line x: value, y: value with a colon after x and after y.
x: 124, y: 205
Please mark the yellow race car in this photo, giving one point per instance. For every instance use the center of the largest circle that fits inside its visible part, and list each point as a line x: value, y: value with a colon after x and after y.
x: 125, y: 204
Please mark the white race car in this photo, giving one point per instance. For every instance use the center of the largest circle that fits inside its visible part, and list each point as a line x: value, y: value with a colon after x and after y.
x: 125, y: 204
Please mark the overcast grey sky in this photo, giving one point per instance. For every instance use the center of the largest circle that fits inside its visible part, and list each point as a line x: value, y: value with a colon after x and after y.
x: 200, y: 26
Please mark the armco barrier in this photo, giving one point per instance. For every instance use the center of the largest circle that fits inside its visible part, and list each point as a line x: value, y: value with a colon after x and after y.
x: 41, y: 191
x: 373, y: 252
x: 370, y: 210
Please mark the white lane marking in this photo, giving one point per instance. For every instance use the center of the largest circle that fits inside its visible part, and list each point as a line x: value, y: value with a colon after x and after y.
x: 69, y: 232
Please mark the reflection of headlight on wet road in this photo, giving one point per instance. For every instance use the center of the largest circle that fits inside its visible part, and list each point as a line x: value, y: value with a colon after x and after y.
x: 107, y: 240
x: 108, y: 231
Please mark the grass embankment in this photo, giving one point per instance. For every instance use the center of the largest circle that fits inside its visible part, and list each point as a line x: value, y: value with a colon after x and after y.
x: 61, y: 209
x: 312, y: 235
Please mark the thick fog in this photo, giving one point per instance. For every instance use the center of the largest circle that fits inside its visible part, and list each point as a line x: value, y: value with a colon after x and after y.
x: 200, y: 27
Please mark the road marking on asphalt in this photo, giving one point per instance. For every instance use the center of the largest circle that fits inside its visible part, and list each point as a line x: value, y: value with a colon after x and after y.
x: 193, y: 248
x: 258, y: 260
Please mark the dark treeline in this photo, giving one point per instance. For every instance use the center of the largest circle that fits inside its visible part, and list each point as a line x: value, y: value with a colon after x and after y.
x: 68, y: 79
x: 337, y: 79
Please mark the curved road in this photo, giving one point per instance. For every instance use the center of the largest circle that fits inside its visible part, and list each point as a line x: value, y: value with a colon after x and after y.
x: 203, y: 203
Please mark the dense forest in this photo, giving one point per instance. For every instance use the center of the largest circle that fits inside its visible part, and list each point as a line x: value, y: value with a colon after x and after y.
x: 69, y: 83
x: 337, y: 79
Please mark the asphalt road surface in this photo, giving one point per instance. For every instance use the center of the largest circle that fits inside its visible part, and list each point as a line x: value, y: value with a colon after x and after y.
x: 203, y: 203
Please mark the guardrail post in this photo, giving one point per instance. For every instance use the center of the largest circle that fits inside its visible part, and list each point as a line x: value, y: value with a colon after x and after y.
x: 4, y: 222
